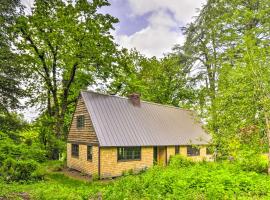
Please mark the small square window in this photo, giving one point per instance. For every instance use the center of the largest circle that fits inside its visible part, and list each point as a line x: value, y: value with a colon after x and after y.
x: 75, y: 150
x: 80, y: 121
x: 89, y: 152
x: 193, y: 151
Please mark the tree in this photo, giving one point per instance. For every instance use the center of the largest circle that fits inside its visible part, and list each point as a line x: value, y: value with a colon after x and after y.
x: 10, y: 90
x: 10, y: 71
x: 244, y: 107
x: 162, y: 81
x: 66, y: 45
x: 215, y: 40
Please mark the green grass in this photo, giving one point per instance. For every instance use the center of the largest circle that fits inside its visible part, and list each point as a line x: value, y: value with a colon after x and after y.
x: 180, y: 180
x: 55, y: 186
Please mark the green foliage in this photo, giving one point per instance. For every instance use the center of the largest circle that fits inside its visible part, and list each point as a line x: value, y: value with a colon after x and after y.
x: 65, y: 47
x: 19, y: 150
x: 180, y: 161
x: 157, y: 80
x: 95, y: 177
x: 10, y: 72
x: 182, y: 179
x: 191, y: 181
x: 18, y: 170
x: 19, y: 159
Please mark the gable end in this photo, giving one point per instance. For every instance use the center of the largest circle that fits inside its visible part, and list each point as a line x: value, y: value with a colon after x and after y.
x: 86, y: 134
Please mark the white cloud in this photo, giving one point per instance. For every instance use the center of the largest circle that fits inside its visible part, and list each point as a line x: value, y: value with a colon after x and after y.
x: 183, y: 10
x: 163, y: 31
x: 156, y: 39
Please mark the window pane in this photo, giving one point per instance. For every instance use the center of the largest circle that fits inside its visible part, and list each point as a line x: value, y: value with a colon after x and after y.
x: 89, y: 152
x: 75, y: 150
x: 129, y: 153
x: 193, y: 151
x: 80, y: 121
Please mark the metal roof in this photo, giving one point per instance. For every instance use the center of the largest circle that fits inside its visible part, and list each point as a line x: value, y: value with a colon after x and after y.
x: 117, y: 122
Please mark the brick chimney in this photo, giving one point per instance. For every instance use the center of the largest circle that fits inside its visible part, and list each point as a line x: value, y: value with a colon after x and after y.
x: 135, y: 99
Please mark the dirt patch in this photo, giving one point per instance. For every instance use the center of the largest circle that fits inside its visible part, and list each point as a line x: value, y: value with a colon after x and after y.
x: 21, y: 195
x: 76, y: 175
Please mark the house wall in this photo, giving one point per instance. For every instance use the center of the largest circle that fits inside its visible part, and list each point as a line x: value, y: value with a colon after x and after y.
x: 85, y: 134
x: 202, y: 156
x: 110, y: 167
x: 81, y: 163
x: 170, y: 152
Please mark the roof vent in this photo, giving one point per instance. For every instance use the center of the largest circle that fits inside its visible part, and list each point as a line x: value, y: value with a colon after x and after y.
x: 135, y: 99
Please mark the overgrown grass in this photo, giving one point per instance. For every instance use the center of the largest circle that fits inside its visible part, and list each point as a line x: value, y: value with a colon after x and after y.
x: 181, y: 180
x: 55, y: 186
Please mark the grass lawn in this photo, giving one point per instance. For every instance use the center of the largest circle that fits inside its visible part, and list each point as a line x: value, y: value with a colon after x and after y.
x: 180, y: 180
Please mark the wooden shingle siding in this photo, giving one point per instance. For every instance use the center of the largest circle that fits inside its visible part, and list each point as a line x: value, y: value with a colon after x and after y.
x: 81, y: 163
x: 111, y: 167
x: 86, y: 134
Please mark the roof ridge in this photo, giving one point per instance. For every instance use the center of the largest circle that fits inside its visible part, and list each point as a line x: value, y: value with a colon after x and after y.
x: 149, y: 102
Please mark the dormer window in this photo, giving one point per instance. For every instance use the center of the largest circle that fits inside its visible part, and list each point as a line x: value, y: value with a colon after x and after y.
x: 80, y: 121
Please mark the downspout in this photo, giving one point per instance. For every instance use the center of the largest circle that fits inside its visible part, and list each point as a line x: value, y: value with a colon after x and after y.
x: 99, y: 162
x: 166, y: 159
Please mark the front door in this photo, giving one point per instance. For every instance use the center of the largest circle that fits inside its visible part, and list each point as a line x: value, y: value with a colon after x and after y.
x: 159, y: 155
x: 155, y: 155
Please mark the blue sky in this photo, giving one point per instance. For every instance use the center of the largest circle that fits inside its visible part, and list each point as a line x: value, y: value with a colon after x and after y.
x: 150, y: 26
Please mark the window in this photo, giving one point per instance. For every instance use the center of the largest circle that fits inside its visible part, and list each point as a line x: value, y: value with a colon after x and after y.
x: 75, y: 150
x: 89, y: 153
x: 128, y: 153
x: 176, y: 150
x: 80, y: 121
x: 193, y: 151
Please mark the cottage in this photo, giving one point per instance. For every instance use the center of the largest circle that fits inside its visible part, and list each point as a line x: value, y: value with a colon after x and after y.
x: 110, y: 134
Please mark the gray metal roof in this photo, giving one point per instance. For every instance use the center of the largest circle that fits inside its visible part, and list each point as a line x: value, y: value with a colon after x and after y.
x: 117, y: 122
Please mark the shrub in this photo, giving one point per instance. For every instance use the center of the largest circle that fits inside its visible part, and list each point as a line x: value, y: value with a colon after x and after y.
x: 95, y: 177
x: 251, y: 160
x: 180, y: 161
x: 13, y: 170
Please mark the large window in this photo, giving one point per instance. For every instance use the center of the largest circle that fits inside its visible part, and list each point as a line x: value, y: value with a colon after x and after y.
x: 128, y: 153
x: 80, y: 121
x: 89, y: 152
x: 193, y: 151
x: 177, y: 150
x: 75, y: 150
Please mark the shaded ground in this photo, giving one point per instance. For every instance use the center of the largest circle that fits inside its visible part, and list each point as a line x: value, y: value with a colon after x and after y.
x: 74, y: 174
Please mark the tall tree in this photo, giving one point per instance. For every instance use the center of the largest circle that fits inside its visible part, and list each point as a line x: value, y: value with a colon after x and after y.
x: 65, y: 45
x: 10, y: 89
x: 10, y: 71
x: 213, y: 40
x: 243, y: 100
x: 158, y: 80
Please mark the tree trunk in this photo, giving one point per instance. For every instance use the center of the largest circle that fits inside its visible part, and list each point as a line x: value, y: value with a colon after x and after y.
x: 268, y: 137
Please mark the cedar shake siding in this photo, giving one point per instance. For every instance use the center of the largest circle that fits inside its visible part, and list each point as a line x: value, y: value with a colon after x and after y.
x: 84, y: 134
x: 111, y: 135
x: 81, y: 163
x: 110, y: 166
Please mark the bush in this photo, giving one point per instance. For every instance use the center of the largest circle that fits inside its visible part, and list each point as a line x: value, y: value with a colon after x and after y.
x: 255, y: 163
x: 13, y: 170
x: 180, y: 161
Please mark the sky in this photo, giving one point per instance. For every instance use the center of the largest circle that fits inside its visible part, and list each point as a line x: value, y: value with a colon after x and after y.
x: 150, y: 26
